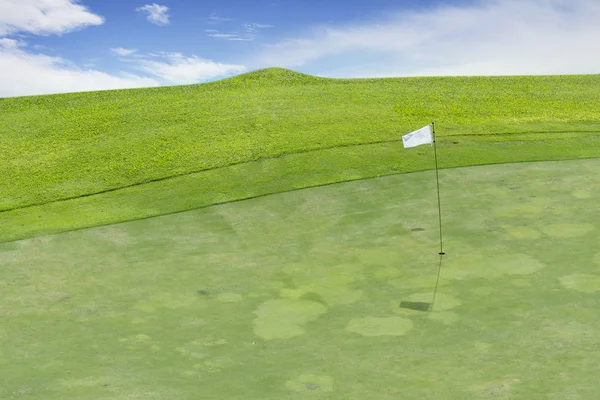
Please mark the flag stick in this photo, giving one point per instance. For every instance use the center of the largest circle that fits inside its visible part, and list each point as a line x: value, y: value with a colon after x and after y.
x: 437, y: 178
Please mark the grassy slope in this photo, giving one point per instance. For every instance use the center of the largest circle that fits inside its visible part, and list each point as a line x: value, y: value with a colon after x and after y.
x: 67, y: 145
x: 56, y: 147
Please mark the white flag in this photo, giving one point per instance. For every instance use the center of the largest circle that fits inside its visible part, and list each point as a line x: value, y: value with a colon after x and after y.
x: 418, y: 137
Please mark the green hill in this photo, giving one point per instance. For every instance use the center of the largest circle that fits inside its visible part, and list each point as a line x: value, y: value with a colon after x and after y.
x: 65, y: 146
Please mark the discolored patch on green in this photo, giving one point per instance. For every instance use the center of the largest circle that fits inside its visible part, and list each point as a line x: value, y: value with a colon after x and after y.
x: 387, y: 273
x: 531, y: 209
x: 139, y: 338
x: 139, y: 342
x: 568, y: 230
x: 333, y: 293
x: 582, y: 194
x: 442, y: 301
x: 473, y: 266
x: 522, y: 282
x: 482, y: 347
x: 521, y: 233
x: 330, y: 284
x: 230, y: 297
x: 515, y: 264
x: 341, y: 274
x: 586, y: 283
x: 284, y: 318
x: 445, y: 317
x: 420, y: 281
x: 500, y: 389
x: 142, y: 338
x: 88, y: 382
x: 143, y: 320
x: 380, y: 326
x: 311, y: 383
x: 287, y: 293
x: 192, y: 350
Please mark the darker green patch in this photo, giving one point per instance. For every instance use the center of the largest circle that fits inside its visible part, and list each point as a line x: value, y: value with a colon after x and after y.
x: 396, y: 230
x: 312, y: 296
x: 286, y: 279
x: 417, y: 229
x: 415, y: 305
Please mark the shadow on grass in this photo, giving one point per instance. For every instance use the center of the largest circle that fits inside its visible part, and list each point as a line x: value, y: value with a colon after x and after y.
x: 415, y: 305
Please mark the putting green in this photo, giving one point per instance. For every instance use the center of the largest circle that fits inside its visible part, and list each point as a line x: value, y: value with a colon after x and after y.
x: 297, y: 295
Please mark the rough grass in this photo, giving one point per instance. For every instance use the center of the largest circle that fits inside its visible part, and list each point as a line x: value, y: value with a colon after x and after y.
x: 281, y: 174
x: 61, y: 146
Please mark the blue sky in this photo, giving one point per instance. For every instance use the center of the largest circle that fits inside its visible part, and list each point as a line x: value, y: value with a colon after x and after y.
x: 53, y: 46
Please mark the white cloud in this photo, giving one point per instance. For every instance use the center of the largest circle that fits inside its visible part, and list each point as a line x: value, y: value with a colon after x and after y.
x: 253, y: 27
x: 11, y: 43
x: 500, y: 37
x: 44, y: 17
x: 248, y: 35
x: 23, y: 73
x: 233, y: 36
x: 123, y: 52
x: 157, y: 14
x: 215, y: 19
x: 175, y: 68
x: 29, y: 72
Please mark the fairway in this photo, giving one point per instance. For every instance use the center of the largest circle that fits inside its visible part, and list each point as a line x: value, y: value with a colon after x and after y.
x: 297, y: 295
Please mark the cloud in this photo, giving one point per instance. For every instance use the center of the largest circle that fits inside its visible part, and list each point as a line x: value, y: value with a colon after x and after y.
x: 11, y: 43
x: 29, y: 72
x: 44, y: 17
x: 248, y: 35
x: 233, y: 36
x: 253, y: 27
x: 23, y: 73
x: 215, y: 19
x: 175, y: 68
x: 499, y: 37
x: 157, y: 14
x: 123, y: 52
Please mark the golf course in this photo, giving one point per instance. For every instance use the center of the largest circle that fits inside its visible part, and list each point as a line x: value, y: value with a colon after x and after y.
x: 263, y: 237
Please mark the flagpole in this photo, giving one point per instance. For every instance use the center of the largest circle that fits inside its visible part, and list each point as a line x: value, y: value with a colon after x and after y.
x: 437, y: 179
x: 441, y: 253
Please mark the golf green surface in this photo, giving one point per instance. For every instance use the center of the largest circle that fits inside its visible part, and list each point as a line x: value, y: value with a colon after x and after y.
x: 297, y: 295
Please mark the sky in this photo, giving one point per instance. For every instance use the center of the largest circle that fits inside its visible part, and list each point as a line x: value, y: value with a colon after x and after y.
x: 57, y: 46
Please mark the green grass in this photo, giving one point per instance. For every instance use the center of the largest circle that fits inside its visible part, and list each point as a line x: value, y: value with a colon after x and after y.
x: 61, y: 146
x: 279, y: 175
x: 295, y: 292
x: 296, y: 295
